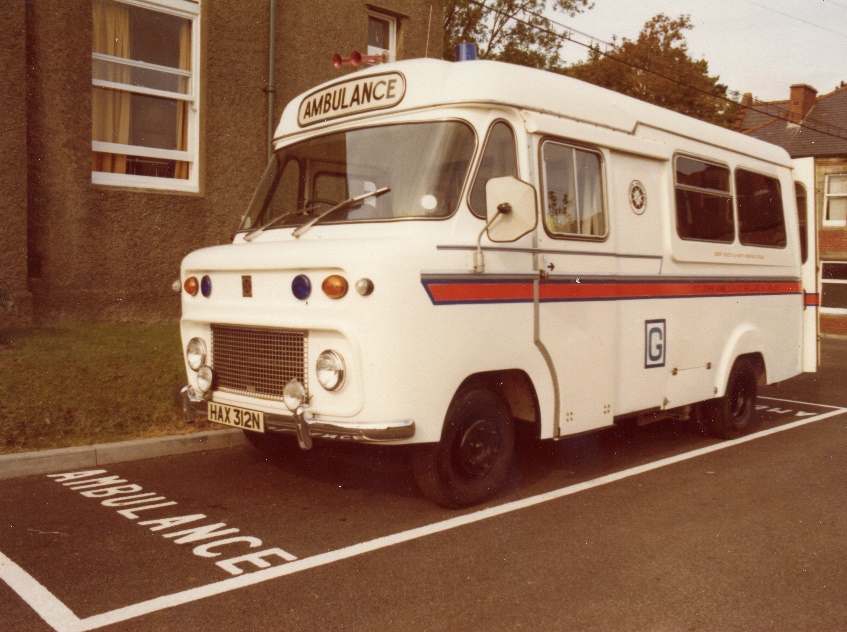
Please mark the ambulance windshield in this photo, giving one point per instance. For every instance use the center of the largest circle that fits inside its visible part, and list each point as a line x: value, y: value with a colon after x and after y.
x: 424, y: 166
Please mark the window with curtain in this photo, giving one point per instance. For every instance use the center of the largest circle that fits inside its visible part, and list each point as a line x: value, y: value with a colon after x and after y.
x: 144, y: 105
x: 573, y: 194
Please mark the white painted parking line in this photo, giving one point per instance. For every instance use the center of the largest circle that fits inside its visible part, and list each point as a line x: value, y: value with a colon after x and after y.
x: 53, y: 611
x: 64, y: 620
x: 791, y: 401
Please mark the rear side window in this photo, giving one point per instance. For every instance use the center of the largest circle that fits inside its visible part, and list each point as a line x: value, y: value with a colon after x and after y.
x: 760, y: 215
x: 499, y: 159
x: 703, y: 201
x: 802, y: 211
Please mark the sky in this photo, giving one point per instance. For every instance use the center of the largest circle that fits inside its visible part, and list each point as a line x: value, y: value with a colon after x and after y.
x: 757, y: 46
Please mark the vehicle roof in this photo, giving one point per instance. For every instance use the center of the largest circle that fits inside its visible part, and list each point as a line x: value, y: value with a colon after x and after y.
x: 431, y: 82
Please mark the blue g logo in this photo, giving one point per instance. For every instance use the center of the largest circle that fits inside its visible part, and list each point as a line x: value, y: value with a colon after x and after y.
x: 655, y: 345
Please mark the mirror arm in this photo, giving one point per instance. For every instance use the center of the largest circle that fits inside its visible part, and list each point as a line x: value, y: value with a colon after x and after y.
x: 478, y: 257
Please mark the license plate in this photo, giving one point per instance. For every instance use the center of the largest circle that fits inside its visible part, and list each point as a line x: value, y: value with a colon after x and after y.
x: 236, y: 417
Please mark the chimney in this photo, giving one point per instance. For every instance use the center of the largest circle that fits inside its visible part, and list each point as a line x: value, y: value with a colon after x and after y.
x: 803, y: 97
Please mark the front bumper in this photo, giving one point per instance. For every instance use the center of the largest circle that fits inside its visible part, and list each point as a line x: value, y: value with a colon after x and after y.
x: 306, y: 426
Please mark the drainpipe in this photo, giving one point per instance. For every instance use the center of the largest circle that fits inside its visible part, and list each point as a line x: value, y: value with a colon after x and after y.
x: 271, y: 89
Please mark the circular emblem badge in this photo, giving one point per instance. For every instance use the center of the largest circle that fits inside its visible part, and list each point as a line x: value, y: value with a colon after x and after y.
x: 637, y: 197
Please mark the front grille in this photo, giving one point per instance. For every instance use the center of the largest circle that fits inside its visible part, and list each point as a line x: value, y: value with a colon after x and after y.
x: 255, y: 361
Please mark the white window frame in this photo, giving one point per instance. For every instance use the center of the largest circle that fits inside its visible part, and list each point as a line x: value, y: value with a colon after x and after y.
x: 822, y: 282
x: 827, y: 196
x: 392, y: 35
x: 190, y: 10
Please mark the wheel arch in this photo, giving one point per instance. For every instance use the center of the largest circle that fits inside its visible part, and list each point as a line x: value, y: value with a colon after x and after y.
x: 517, y: 390
x: 746, y: 342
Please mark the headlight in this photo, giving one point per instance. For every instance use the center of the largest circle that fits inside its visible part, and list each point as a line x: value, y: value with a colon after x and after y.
x: 195, y: 353
x: 330, y: 370
x: 204, y: 379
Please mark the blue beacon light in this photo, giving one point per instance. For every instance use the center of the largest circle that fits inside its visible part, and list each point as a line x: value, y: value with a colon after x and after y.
x: 466, y: 51
x: 301, y: 287
x: 206, y: 286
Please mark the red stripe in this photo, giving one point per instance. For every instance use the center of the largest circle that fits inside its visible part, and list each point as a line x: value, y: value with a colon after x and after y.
x: 448, y: 292
x: 662, y: 290
x: 501, y: 291
x: 812, y: 300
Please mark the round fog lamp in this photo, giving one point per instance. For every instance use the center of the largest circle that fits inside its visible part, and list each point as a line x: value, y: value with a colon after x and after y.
x: 330, y: 370
x: 204, y: 379
x: 195, y: 353
x: 293, y: 395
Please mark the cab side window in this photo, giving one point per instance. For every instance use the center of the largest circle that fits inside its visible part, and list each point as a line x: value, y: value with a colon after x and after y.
x: 573, y: 192
x: 499, y: 159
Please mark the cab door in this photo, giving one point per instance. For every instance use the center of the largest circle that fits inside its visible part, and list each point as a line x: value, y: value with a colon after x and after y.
x: 577, y: 326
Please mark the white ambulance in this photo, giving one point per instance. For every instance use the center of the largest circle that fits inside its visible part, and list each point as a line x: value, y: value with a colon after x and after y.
x: 445, y: 254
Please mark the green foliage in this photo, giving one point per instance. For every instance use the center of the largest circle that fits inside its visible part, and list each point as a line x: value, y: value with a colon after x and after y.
x: 85, y: 384
x: 657, y: 68
x: 527, y: 40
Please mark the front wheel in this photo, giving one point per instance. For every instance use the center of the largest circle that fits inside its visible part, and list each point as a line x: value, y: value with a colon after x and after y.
x: 472, y: 460
x: 734, y: 414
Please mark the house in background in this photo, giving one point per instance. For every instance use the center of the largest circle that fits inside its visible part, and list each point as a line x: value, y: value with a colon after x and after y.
x: 135, y: 130
x: 813, y: 129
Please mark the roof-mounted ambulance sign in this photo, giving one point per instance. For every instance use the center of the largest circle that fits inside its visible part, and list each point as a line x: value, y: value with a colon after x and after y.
x: 353, y: 96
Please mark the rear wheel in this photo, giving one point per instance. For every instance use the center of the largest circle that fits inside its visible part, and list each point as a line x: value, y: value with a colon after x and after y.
x: 734, y: 414
x: 472, y: 460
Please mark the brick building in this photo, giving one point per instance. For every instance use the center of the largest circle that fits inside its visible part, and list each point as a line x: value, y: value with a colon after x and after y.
x: 135, y: 130
x: 813, y: 129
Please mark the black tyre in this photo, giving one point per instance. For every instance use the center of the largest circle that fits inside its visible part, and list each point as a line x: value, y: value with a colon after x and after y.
x: 270, y: 443
x: 734, y: 414
x: 472, y: 460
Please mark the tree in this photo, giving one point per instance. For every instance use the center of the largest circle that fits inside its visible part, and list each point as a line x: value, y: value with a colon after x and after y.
x: 657, y: 68
x: 514, y: 31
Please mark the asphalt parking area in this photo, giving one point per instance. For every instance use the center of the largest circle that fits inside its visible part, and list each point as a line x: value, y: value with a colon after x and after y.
x: 86, y: 549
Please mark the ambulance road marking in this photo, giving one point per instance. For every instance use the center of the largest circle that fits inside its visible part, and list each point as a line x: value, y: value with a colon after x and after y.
x: 112, y: 491
x: 62, y: 619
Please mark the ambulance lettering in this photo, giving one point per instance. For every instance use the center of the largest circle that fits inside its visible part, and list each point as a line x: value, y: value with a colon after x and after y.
x: 352, y: 97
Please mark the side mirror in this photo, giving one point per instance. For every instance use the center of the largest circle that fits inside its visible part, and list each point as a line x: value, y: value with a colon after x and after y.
x: 514, y: 202
x: 511, y: 213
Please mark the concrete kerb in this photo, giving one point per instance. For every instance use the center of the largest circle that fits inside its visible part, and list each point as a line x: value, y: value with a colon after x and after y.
x: 46, y: 461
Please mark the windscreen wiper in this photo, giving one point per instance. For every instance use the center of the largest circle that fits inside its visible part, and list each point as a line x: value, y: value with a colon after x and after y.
x: 300, y: 230
x: 255, y: 232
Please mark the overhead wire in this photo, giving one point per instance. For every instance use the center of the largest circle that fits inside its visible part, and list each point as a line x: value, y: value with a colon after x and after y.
x: 794, y: 17
x: 759, y: 107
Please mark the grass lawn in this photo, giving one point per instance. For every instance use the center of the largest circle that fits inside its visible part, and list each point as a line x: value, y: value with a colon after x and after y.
x: 81, y: 384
